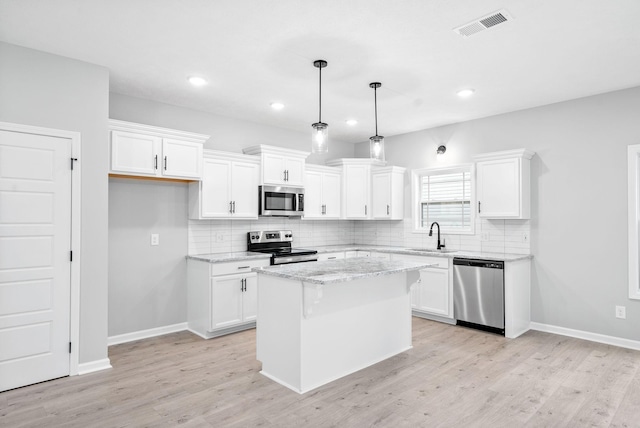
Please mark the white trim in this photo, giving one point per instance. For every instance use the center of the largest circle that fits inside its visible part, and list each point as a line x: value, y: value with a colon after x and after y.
x: 76, y: 221
x: 121, y: 125
x: 94, y: 366
x: 145, y: 334
x: 633, y: 218
x: 586, y: 335
x: 506, y: 154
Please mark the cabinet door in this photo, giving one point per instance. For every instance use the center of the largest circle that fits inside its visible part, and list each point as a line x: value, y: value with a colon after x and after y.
x: 215, y: 188
x: 331, y: 195
x: 356, y: 198
x: 313, y: 203
x: 499, y: 188
x: 381, y: 195
x: 244, y: 189
x: 226, y: 301
x: 295, y: 171
x: 433, y: 292
x: 250, y: 298
x: 181, y: 159
x: 273, y: 169
x: 135, y: 154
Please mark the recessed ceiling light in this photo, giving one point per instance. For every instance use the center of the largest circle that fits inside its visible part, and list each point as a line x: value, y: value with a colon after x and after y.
x: 465, y: 93
x: 351, y: 122
x: 197, y: 81
x: 277, y: 106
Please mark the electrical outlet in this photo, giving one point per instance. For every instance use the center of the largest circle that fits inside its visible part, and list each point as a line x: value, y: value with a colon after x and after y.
x: 484, y: 236
x: 525, y: 236
x: 621, y: 312
x: 155, y: 239
x: 219, y: 237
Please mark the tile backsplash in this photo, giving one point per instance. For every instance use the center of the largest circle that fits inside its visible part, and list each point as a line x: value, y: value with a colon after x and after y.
x: 223, y: 236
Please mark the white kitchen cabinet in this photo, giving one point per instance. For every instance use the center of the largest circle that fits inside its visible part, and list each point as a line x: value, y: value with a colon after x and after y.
x: 504, y: 184
x: 149, y: 151
x: 356, y: 186
x: 228, y: 189
x: 387, y: 192
x: 432, y: 295
x: 322, y: 192
x: 331, y: 256
x: 222, y: 297
x: 280, y: 167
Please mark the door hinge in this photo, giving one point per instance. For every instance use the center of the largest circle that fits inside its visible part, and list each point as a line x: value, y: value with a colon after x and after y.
x: 72, y: 161
x: 70, y: 256
x: 69, y: 347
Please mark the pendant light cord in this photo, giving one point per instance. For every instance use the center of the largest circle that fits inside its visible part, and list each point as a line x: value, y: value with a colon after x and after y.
x: 320, y: 97
x: 375, y: 103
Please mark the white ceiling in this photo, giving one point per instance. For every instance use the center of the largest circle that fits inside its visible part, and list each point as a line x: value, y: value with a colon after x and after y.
x: 254, y: 52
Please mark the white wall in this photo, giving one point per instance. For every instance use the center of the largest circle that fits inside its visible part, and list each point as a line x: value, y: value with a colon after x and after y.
x: 41, y: 89
x: 145, y: 281
x: 579, y: 199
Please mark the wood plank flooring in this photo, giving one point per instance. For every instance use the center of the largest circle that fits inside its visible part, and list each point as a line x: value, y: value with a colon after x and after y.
x: 453, y: 377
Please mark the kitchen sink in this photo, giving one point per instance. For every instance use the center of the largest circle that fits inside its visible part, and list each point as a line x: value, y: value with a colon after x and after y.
x: 431, y: 250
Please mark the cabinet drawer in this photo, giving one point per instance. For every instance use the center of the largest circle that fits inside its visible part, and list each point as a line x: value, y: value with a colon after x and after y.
x: 331, y: 256
x: 439, y: 262
x: 242, y: 266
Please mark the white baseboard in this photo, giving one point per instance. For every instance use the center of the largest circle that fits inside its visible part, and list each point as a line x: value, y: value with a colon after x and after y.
x: 94, y: 366
x: 145, y: 334
x: 586, y: 335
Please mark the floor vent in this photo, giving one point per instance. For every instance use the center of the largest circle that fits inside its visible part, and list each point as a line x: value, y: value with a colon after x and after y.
x: 483, y: 23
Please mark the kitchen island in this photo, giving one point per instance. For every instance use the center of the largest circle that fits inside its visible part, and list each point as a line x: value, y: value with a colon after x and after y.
x: 321, y: 321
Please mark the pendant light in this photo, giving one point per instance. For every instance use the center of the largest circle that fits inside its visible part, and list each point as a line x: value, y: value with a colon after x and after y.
x: 376, y: 143
x: 320, y: 132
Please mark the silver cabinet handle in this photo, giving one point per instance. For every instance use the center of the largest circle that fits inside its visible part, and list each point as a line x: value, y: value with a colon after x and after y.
x: 234, y: 206
x: 478, y: 207
x: 365, y: 210
x: 230, y: 207
x: 155, y: 162
x: 244, y: 267
x: 387, y: 209
x: 165, y: 163
x: 331, y: 258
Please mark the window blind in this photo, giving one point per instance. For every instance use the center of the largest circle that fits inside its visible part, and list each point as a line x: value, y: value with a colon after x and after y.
x: 446, y: 198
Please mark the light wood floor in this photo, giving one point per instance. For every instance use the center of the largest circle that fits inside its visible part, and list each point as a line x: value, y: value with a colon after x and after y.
x: 453, y: 377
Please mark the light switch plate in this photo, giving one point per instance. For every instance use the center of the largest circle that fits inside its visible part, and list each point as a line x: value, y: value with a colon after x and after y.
x: 155, y: 239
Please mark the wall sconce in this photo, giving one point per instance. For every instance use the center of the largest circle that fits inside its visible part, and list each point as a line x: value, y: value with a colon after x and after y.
x: 440, y: 153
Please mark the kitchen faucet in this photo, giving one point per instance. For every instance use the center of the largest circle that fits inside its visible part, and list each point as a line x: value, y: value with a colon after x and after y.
x: 440, y: 246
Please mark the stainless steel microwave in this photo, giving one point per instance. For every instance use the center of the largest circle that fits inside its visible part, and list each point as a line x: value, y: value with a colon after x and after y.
x: 280, y: 201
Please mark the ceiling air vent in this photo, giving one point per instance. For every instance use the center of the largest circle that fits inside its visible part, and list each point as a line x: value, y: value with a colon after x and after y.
x: 483, y: 23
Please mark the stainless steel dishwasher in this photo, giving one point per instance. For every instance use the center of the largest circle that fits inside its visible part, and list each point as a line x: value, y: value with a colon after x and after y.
x: 478, y: 294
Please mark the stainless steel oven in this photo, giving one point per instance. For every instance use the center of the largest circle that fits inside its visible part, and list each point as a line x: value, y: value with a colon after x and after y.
x: 278, y: 244
x: 281, y: 201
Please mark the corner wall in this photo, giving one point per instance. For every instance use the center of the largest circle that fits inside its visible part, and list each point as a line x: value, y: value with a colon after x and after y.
x: 51, y: 91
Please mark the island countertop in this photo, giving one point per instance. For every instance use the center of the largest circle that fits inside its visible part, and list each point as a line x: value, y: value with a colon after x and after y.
x: 341, y: 270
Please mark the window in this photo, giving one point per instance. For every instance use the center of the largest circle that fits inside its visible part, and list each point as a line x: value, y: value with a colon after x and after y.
x: 633, y: 155
x: 444, y: 195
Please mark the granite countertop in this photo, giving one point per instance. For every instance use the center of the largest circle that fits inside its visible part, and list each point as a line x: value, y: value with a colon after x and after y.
x: 341, y: 270
x: 247, y: 255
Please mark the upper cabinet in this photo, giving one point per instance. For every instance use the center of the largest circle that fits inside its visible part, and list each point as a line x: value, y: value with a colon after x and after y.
x: 322, y: 187
x: 229, y: 187
x: 387, y: 193
x: 150, y: 151
x: 504, y: 184
x: 280, y: 167
x: 356, y: 186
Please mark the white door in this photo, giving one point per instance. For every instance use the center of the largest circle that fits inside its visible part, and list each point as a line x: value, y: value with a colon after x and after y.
x: 331, y: 195
x: 226, y: 301
x: 356, y: 196
x: 313, y: 204
x: 381, y: 195
x: 135, y: 154
x: 273, y: 168
x: 181, y: 159
x: 433, y: 291
x: 295, y: 171
x: 35, y: 244
x: 244, y: 189
x: 216, y: 199
x: 499, y: 188
x: 250, y: 298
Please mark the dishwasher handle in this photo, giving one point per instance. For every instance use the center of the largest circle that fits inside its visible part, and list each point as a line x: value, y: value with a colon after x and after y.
x: 487, y: 264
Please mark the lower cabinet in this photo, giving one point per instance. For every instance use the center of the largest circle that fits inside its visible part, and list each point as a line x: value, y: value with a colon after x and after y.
x: 222, y: 297
x: 432, y: 294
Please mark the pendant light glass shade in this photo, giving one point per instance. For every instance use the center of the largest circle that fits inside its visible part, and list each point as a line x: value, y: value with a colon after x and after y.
x: 320, y: 131
x: 376, y: 143
x: 376, y: 147
x: 319, y: 138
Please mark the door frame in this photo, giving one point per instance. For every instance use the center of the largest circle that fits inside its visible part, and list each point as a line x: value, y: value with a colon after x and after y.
x: 74, y: 303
